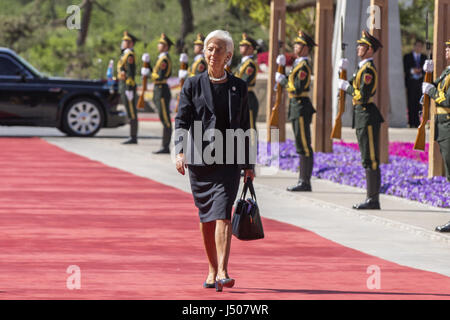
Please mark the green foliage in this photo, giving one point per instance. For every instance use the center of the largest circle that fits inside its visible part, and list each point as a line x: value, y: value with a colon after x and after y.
x: 412, y: 21
x: 36, y: 30
x: 259, y: 11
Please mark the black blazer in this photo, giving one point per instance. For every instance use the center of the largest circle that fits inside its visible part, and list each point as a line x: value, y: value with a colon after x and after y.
x: 409, y: 62
x: 196, y: 104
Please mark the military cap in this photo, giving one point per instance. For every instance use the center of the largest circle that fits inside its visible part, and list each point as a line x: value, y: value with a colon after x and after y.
x: 371, y: 41
x: 447, y: 43
x: 165, y: 39
x: 128, y: 36
x: 248, y: 41
x: 200, y: 39
x: 305, y: 39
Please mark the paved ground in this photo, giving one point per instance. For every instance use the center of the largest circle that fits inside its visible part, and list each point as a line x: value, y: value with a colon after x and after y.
x: 402, y: 232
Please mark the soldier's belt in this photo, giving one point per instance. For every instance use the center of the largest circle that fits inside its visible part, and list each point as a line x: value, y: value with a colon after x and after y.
x: 160, y: 82
x: 442, y: 110
x: 301, y: 95
x: 357, y: 102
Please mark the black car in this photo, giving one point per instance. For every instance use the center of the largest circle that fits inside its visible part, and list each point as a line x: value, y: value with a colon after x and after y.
x: 76, y: 107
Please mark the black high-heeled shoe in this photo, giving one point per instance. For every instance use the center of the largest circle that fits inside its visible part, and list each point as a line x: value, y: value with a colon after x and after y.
x: 227, y: 283
x: 209, y: 285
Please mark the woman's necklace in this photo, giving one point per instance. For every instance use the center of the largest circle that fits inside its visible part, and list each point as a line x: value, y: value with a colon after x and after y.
x: 218, y: 79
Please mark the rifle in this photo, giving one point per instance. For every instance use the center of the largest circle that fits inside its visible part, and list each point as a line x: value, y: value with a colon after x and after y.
x: 273, y: 120
x: 141, y: 102
x: 419, y: 144
x: 183, y: 66
x: 336, y: 133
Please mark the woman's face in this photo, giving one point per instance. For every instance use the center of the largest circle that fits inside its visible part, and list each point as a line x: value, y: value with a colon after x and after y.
x: 447, y: 53
x: 216, y: 54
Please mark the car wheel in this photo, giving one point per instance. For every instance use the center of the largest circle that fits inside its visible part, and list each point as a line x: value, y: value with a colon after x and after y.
x: 82, y: 118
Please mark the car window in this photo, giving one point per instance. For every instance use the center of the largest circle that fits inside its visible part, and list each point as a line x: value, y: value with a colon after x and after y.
x: 8, y: 68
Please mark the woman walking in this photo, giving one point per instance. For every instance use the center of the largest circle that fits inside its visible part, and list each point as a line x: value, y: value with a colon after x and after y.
x: 218, y: 102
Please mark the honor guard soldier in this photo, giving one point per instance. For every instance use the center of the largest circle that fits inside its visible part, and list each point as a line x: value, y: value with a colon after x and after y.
x: 367, y: 118
x: 247, y: 71
x: 161, y: 91
x: 199, y: 65
x: 301, y: 109
x: 439, y: 91
x: 126, y: 71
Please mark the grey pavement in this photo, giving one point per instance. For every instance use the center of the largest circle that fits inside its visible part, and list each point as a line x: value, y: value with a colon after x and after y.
x: 402, y: 232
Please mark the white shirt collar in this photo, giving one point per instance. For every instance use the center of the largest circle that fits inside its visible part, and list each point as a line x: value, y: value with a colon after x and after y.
x: 246, y: 58
x: 199, y: 56
x: 162, y: 54
x: 300, y: 59
x: 364, y: 62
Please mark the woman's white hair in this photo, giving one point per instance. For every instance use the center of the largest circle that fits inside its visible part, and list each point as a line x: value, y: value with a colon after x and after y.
x: 221, y: 35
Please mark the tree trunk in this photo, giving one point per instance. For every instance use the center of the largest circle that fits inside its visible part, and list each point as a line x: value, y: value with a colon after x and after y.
x: 85, y: 19
x: 187, y: 25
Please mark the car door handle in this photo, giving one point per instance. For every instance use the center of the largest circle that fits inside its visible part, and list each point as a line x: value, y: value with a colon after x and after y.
x: 54, y: 90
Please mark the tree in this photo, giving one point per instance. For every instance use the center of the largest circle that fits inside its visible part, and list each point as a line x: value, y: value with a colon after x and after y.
x: 187, y: 24
x: 300, y: 14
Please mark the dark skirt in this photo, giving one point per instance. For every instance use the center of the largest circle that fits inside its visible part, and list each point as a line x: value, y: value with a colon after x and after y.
x: 214, y: 188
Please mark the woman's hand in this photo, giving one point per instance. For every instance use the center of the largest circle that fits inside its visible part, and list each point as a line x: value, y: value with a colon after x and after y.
x: 180, y: 163
x: 249, y: 174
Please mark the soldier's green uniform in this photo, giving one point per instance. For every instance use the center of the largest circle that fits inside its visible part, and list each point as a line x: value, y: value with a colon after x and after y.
x: 199, y: 65
x: 126, y: 71
x: 247, y: 71
x: 367, y: 121
x: 301, y: 111
x: 441, y: 94
x: 161, y: 93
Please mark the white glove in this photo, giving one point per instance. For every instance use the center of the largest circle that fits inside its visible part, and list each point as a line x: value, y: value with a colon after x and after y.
x: 184, y: 58
x: 428, y: 66
x: 426, y: 87
x: 182, y: 74
x: 343, y: 84
x: 279, y: 77
x: 146, y: 57
x: 281, y: 60
x: 129, y: 94
x: 145, y: 72
x: 343, y: 64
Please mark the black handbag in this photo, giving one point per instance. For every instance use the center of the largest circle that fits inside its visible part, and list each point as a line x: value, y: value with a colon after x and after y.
x: 246, y: 222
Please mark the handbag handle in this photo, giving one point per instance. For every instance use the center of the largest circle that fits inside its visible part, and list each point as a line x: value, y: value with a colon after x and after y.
x: 248, y: 185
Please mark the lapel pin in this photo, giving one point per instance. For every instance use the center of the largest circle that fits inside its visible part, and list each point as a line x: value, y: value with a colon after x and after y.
x: 233, y: 88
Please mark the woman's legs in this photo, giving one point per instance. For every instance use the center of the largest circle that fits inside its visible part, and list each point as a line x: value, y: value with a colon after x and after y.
x: 208, y: 230
x: 223, y: 244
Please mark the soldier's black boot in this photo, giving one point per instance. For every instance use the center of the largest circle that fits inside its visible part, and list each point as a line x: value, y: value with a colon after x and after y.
x: 167, y: 132
x: 304, y: 180
x: 444, y: 228
x: 373, y: 178
x: 133, y: 131
x: 132, y: 140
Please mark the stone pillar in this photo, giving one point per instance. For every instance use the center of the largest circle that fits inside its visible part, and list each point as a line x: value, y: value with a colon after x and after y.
x: 322, y: 99
x: 277, y: 33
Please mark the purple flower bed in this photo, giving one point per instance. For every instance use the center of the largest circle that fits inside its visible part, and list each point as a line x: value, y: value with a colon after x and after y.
x: 402, y: 177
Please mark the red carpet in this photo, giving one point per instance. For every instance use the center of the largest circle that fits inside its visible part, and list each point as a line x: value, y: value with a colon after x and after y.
x: 134, y: 238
